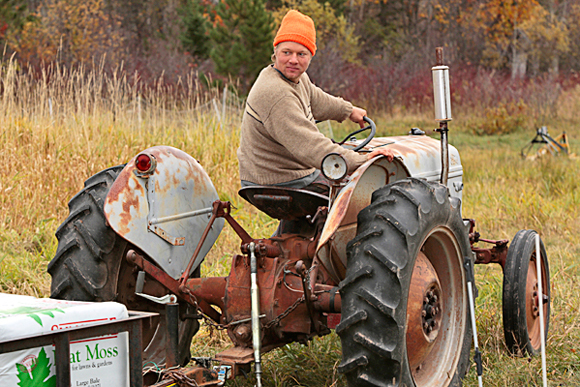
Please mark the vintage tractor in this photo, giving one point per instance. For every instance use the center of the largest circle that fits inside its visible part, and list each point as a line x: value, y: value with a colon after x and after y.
x: 385, y: 259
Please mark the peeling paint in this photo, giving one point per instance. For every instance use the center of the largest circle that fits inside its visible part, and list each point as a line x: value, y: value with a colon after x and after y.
x: 181, y: 186
x: 415, y: 156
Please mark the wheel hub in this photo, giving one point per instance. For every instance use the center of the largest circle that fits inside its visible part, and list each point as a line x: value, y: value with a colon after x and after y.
x: 424, y: 311
x: 534, y: 301
x: 431, y: 309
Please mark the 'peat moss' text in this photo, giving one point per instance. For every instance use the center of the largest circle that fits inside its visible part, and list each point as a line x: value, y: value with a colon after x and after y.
x: 94, y: 353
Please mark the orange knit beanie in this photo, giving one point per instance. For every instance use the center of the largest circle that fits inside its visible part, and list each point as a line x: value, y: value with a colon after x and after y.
x: 299, y: 28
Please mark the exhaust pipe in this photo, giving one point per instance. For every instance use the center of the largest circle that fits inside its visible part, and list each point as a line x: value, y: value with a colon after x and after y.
x: 442, y: 97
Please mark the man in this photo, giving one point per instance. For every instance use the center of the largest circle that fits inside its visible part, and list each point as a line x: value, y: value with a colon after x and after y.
x: 280, y: 144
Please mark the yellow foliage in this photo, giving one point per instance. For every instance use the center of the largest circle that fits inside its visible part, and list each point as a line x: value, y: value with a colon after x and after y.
x: 546, y: 33
x: 505, y: 118
x: 75, y: 31
x: 331, y: 30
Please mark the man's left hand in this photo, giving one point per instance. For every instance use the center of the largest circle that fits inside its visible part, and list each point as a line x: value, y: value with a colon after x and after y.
x: 381, y: 151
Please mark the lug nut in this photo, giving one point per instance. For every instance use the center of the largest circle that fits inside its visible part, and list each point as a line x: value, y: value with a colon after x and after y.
x: 423, y: 313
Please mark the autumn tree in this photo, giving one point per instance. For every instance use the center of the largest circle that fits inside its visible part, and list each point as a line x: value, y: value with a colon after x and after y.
x: 548, y: 40
x: 13, y: 16
x: 72, y: 31
x: 506, y: 44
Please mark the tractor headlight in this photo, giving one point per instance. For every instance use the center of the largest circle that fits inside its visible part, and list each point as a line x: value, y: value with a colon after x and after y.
x: 334, y: 167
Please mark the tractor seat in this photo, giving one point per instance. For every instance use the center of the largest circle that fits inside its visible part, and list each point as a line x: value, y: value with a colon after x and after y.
x: 284, y: 203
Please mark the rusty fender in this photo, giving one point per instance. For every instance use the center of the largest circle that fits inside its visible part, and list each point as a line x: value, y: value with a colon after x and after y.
x: 415, y: 156
x: 164, y: 212
x: 340, y: 226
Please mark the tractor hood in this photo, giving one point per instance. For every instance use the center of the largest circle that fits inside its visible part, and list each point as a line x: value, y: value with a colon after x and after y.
x: 421, y: 155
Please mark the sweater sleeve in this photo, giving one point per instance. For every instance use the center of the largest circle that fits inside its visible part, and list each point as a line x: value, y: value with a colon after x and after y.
x: 288, y: 125
x: 327, y: 107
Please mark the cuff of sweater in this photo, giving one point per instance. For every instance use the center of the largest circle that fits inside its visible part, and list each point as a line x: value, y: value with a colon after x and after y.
x: 346, y: 111
x: 354, y: 160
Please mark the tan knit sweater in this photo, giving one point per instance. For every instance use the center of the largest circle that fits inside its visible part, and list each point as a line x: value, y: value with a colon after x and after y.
x: 279, y: 139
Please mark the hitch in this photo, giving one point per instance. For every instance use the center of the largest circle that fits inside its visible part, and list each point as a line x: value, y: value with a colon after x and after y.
x: 496, y: 254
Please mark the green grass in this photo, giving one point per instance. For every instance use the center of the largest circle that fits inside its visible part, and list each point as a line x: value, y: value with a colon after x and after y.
x: 46, y: 155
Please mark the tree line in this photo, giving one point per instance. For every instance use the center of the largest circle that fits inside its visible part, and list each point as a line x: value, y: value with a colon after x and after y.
x: 232, y: 39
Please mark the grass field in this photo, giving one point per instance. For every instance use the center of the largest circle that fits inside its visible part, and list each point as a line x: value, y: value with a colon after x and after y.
x: 57, y: 133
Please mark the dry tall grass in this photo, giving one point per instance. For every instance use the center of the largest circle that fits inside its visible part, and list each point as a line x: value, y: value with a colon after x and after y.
x: 61, y: 126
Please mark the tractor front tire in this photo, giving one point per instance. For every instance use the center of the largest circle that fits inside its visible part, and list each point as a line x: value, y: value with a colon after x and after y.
x: 90, y: 265
x: 405, y: 311
x: 521, y: 301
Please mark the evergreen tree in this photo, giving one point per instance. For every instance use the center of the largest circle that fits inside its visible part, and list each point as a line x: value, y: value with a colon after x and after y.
x: 195, y: 35
x: 242, y: 39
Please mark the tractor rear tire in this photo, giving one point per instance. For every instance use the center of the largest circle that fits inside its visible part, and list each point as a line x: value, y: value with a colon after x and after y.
x: 90, y: 265
x: 521, y: 321
x: 405, y: 311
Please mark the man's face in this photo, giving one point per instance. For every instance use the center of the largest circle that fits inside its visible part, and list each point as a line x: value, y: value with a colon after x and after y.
x: 292, y: 59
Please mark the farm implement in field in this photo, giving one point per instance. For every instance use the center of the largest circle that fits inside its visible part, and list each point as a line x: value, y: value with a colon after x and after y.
x: 385, y: 259
x: 546, y: 145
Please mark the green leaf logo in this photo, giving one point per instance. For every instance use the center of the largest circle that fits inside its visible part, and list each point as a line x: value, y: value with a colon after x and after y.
x: 33, y: 312
x: 37, y: 374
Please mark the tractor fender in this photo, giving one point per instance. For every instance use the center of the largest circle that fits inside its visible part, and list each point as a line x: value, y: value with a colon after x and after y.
x: 415, y: 156
x: 165, y: 212
x: 341, y: 223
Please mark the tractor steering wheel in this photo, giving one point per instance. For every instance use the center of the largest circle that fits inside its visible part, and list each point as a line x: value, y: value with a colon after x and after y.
x: 371, y: 125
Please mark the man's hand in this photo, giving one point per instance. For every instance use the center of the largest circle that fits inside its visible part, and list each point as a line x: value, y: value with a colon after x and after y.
x: 357, y: 116
x: 381, y: 151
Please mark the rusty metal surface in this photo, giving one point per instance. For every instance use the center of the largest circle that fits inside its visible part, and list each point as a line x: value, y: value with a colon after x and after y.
x: 239, y: 358
x: 422, y: 158
x: 415, y: 156
x: 211, y: 289
x: 286, y: 313
x: 533, y: 302
x: 224, y: 210
x: 188, y: 377
x: 444, y: 254
x: 287, y: 272
x: 327, y: 299
x: 340, y: 226
x: 180, y: 186
x: 173, y: 285
x: 423, y: 307
x: 496, y: 254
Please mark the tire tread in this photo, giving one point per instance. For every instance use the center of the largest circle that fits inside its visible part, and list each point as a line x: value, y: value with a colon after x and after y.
x: 379, y: 270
